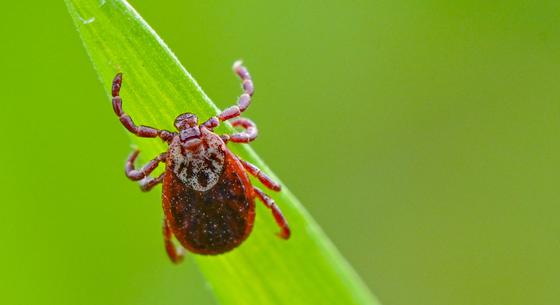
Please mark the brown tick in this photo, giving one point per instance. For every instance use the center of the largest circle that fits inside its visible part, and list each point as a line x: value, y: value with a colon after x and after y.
x: 208, y: 199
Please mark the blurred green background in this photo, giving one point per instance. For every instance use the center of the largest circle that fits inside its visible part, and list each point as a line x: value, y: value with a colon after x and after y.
x: 422, y: 136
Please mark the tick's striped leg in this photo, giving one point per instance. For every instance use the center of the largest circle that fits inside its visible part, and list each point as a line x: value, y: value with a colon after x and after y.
x: 126, y: 120
x: 278, y: 217
x: 263, y: 178
x: 242, y: 103
x: 139, y: 174
x: 175, y: 253
x: 148, y: 183
x: 249, y: 134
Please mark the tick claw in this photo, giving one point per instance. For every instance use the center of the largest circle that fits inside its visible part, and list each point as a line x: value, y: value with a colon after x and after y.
x: 238, y: 63
x: 180, y: 252
x: 285, y: 234
x: 117, y: 82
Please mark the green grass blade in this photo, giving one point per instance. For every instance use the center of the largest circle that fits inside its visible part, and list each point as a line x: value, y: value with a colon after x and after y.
x: 307, y: 269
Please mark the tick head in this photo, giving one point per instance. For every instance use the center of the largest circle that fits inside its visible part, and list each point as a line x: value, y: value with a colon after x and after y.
x: 187, y: 125
x: 185, y: 121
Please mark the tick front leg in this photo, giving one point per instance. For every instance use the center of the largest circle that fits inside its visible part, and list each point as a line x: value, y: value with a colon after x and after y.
x: 126, y: 120
x: 242, y: 103
x: 259, y: 174
x: 148, y: 183
x: 134, y: 174
x: 278, y: 217
x: 175, y: 253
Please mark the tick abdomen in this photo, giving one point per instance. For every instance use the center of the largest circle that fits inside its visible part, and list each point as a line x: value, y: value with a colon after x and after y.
x: 212, y: 221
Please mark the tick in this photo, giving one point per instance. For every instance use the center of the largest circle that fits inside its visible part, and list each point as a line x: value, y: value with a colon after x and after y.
x: 208, y: 199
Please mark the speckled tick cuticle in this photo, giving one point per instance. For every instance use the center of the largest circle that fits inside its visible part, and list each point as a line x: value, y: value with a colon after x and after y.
x: 208, y: 199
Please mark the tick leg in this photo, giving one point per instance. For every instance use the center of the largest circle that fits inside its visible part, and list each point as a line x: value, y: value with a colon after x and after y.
x: 248, y: 135
x: 243, y: 101
x: 175, y: 253
x: 139, y: 174
x: 278, y: 217
x: 126, y: 120
x: 148, y: 183
x: 263, y: 178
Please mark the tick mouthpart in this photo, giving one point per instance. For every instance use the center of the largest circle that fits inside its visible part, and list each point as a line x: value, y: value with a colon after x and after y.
x: 189, y: 133
x: 185, y: 121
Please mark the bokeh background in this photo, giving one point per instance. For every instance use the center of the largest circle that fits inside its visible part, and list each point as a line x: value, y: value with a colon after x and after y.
x: 424, y: 137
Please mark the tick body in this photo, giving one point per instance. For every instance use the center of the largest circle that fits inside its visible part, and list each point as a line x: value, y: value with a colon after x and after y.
x: 208, y: 199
